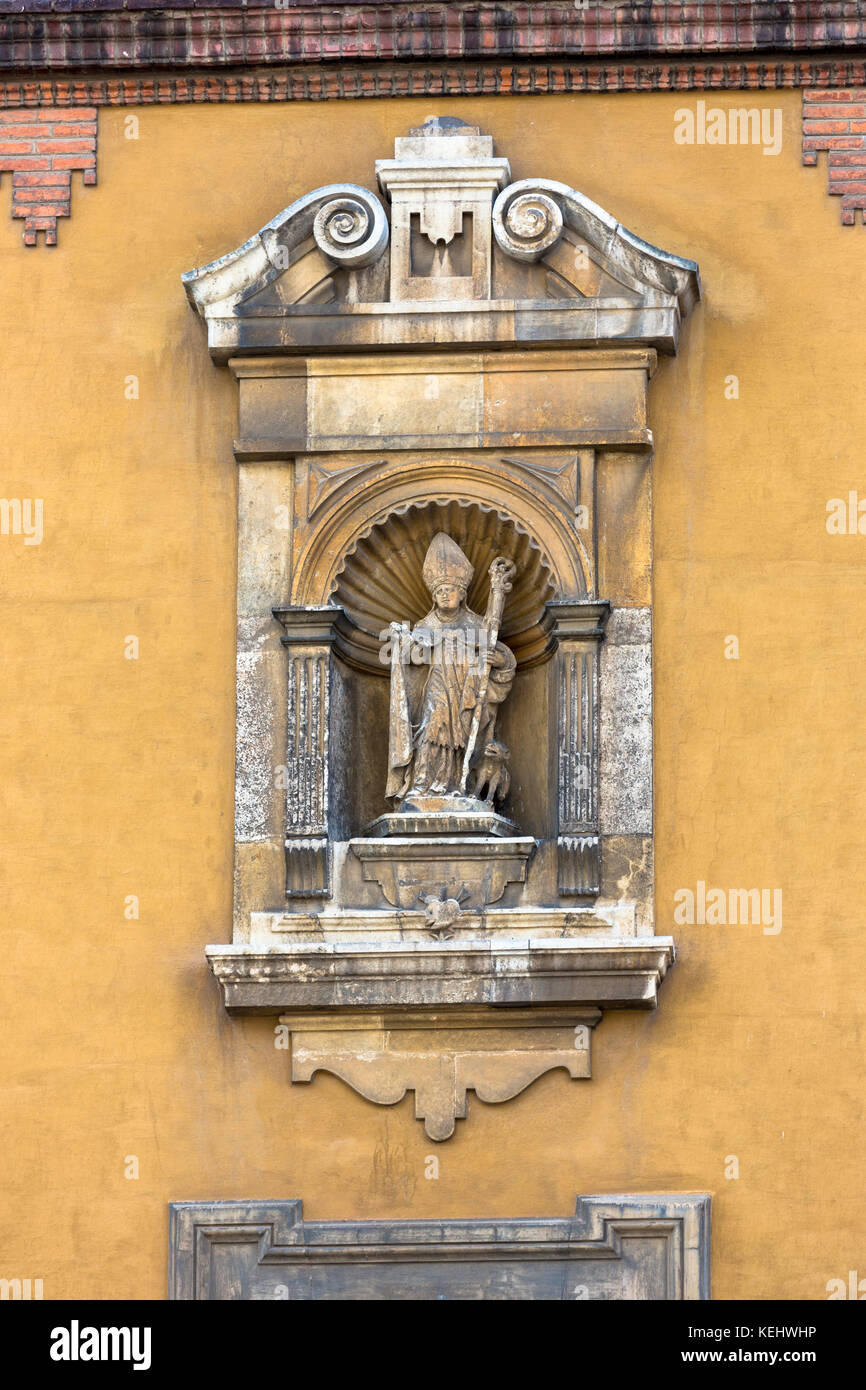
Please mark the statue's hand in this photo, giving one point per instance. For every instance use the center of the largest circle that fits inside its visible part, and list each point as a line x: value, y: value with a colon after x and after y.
x: 494, y: 657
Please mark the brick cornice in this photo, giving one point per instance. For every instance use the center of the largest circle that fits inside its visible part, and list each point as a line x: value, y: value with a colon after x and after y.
x: 58, y: 36
x: 378, y: 80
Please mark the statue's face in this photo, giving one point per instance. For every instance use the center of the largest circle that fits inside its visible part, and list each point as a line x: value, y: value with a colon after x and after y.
x: 448, y: 598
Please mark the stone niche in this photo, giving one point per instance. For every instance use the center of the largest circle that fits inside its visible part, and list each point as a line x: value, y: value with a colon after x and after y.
x: 451, y: 392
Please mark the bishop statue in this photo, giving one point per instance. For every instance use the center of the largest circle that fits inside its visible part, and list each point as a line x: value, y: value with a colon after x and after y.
x: 449, y: 675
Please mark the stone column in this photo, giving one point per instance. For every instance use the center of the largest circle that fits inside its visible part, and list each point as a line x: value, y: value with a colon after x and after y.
x: 578, y: 627
x: 309, y: 637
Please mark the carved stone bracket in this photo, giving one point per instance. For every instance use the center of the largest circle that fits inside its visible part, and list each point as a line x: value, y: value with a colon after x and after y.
x: 440, y: 1060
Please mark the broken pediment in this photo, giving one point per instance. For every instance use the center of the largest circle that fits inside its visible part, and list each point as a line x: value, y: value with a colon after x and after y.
x: 468, y: 258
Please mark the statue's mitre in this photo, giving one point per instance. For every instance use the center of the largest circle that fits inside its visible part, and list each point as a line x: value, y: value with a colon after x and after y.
x: 445, y: 563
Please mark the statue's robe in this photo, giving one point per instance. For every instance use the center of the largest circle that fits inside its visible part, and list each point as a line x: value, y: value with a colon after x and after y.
x: 432, y: 705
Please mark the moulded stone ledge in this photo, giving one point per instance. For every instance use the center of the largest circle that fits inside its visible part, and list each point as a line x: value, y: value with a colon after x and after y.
x: 473, y: 324
x: 621, y: 973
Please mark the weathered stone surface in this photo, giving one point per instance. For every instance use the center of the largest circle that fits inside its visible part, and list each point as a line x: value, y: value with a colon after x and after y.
x: 254, y: 762
x: 626, y: 724
x: 559, y: 397
x: 617, y: 1247
x: 579, y: 863
x: 441, y: 184
x: 604, y: 919
x: 611, y: 973
x: 309, y: 636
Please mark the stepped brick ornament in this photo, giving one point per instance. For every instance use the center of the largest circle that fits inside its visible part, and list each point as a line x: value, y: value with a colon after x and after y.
x: 42, y: 148
x: 835, y: 120
x: 451, y: 880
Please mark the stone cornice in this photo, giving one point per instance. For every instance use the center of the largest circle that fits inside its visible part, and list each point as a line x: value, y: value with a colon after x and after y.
x: 617, y: 973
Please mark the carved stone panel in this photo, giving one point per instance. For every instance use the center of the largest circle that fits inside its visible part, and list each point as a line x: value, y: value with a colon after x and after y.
x: 308, y: 637
x: 626, y: 1247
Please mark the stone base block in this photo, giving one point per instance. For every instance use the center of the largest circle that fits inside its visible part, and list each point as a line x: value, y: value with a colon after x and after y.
x: 472, y: 870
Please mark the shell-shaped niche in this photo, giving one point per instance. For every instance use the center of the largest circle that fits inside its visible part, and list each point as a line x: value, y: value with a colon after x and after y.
x: 380, y: 580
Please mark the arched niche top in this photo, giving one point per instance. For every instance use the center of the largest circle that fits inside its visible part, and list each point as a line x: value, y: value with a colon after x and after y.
x: 379, y: 580
x: 368, y: 510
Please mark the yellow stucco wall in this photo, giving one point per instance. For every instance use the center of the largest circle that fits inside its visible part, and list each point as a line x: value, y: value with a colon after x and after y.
x: 117, y: 775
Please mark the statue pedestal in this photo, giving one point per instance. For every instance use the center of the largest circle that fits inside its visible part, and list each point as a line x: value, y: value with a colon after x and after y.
x: 471, y: 821
x: 470, y: 868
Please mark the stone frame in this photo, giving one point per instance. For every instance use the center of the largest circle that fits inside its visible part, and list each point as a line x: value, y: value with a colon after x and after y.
x: 372, y: 388
x: 625, y: 1246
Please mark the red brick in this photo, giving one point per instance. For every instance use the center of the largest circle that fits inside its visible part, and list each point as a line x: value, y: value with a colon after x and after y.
x: 40, y: 195
x: 21, y: 132
x: 65, y: 146
x: 833, y: 94
x: 44, y: 209
x: 834, y: 113
x: 836, y: 142
x: 823, y: 94
x: 51, y: 114
x: 825, y: 127
x: 25, y: 162
x: 47, y: 180
x: 73, y: 161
